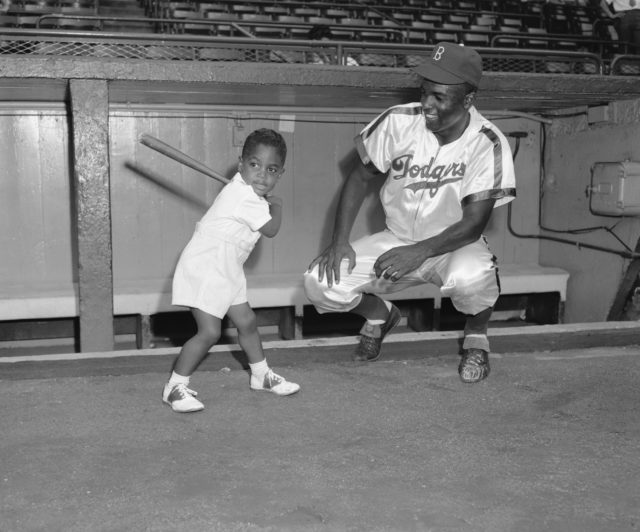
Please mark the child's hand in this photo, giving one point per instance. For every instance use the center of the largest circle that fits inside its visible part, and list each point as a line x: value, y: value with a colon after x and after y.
x: 274, y: 200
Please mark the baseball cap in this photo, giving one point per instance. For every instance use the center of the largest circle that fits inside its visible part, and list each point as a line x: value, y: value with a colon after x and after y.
x: 452, y: 64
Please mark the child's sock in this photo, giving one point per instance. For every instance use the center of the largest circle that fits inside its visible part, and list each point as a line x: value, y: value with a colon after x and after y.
x: 380, y: 322
x: 259, y: 369
x: 179, y: 379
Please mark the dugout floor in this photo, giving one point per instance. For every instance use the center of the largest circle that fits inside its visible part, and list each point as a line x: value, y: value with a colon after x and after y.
x: 550, y: 442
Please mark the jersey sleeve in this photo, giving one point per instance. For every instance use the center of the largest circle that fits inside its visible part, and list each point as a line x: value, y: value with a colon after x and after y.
x: 251, y: 209
x: 490, y: 173
x: 375, y: 143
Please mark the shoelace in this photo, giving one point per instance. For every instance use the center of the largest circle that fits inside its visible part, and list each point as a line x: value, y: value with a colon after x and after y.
x: 475, y: 358
x: 183, y: 390
x: 273, y: 379
x: 368, y: 343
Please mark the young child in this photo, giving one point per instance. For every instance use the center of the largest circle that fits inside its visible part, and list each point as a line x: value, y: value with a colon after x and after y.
x: 209, y: 277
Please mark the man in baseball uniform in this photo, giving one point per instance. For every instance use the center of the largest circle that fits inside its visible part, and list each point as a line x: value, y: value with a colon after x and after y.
x: 446, y: 168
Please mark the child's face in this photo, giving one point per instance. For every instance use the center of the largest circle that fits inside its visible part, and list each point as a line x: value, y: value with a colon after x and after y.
x: 261, y: 169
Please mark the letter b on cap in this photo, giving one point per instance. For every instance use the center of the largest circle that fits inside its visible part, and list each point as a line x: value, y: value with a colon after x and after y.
x: 437, y: 53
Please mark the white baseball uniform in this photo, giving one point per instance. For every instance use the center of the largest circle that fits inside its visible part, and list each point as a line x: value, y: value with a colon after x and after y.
x: 426, y: 187
x: 209, y: 274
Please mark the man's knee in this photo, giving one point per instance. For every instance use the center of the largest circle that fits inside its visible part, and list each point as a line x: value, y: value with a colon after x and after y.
x: 325, y: 298
x: 471, y: 295
x: 313, y: 289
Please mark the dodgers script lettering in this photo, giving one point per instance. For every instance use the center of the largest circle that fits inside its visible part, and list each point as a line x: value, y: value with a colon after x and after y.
x: 433, y: 177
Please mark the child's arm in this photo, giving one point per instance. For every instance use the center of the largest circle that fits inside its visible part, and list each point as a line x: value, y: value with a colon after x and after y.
x: 271, y: 228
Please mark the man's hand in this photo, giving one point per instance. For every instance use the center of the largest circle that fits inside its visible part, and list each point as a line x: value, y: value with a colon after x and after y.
x: 399, y: 261
x: 329, y: 261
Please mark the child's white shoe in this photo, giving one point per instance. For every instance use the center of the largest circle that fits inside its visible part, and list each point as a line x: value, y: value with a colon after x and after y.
x: 274, y: 383
x: 181, y: 398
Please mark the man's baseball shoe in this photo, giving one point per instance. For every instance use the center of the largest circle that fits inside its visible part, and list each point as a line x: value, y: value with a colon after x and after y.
x: 371, y: 337
x: 474, y: 365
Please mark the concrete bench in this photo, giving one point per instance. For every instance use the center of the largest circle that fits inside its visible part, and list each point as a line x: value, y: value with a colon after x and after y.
x: 284, y: 292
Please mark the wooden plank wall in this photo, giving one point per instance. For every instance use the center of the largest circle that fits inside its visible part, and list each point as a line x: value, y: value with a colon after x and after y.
x: 156, y: 201
x: 35, y: 198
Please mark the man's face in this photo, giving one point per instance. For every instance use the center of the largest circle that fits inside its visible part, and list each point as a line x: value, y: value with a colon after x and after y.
x: 445, y: 109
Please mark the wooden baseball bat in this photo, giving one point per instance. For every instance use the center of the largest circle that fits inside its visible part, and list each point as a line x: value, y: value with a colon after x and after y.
x: 181, y: 157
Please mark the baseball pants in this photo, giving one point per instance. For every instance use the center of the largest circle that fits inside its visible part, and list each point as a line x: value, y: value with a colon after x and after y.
x: 467, y: 275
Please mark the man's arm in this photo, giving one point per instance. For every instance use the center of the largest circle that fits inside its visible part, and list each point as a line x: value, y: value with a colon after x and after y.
x: 351, y: 198
x: 404, y: 259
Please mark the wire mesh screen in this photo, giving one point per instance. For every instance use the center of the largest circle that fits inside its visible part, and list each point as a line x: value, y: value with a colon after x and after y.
x: 282, y: 51
x: 626, y: 65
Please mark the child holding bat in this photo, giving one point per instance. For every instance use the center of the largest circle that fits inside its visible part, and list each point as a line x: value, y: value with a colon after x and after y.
x: 209, y: 276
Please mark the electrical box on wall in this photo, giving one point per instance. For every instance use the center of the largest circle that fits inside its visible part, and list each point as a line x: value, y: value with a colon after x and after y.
x: 615, y: 188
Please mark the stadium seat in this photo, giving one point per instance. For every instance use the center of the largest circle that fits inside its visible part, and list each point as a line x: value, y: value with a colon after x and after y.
x: 536, y: 43
x: 372, y: 17
x: 184, y: 13
x: 485, y: 20
x: 241, y: 9
x: 475, y: 39
x: 450, y: 26
x: 404, y: 18
x: 418, y: 37
x: 27, y: 21
x: 205, y: 7
x: 429, y: 17
x: 275, y: 11
x: 586, y: 29
x: 461, y: 20
x: 440, y: 36
x: 221, y: 28
x: 305, y: 12
x: 8, y: 21
x: 254, y: 17
x: 353, y: 22
x: 422, y: 25
x: 372, y: 36
x: 336, y: 14
x: 391, y: 24
x: 324, y: 21
x: 504, y: 41
x: 290, y: 19
x: 77, y: 24
x: 512, y: 22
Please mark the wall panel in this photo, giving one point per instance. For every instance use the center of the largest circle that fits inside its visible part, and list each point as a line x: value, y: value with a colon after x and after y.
x: 595, y: 275
x: 35, y: 207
